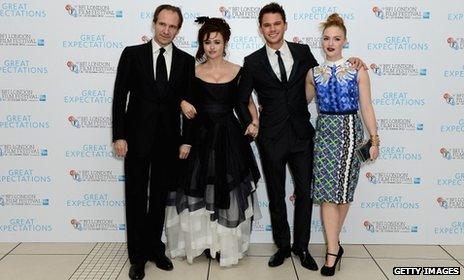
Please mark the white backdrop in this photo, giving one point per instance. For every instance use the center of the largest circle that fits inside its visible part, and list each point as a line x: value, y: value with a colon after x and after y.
x: 59, y: 179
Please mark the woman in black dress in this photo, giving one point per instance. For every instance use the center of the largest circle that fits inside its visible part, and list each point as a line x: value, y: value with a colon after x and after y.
x: 216, y: 202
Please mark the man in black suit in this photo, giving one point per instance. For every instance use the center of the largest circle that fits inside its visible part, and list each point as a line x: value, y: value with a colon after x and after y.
x: 277, y: 73
x: 156, y: 75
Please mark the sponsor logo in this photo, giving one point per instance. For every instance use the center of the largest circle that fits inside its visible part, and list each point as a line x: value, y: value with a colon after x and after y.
x: 455, y: 43
x: 22, y: 150
x: 90, y: 121
x: 390, y: 202
x: 400, y: 12
x: 93, y: 11
x: 91, y: 67
x: 452, y: 153
x: 454, y: 99
x: 95, y: 176
x: 22, y: 67
x: 23, y: 200
x: 20, y: 40
x: 451, y: 202
x: 399, y: 125
x: 23, y: 121
x: 96, y: 225
x: 22, y: 95
x: 239, y: 12
x: 390, y: 227
x: 402, y: 69
x: 392, y: 178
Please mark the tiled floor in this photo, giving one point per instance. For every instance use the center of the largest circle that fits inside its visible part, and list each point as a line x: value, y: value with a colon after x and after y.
x: 108, y: 261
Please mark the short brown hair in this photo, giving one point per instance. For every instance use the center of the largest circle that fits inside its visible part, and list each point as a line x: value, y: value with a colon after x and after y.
x: 273, y: 8
x: 212, y: 25
x: 169, y: 8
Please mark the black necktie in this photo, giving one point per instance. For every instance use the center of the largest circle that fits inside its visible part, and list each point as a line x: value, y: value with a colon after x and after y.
x: 283, y: 73
x: 161, y: 72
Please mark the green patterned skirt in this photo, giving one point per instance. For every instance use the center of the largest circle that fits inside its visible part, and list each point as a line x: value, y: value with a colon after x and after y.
x: 336, y: 166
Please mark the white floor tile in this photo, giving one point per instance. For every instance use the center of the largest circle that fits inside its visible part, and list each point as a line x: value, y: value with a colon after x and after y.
x: 30, y: 267
x: 407, y: 252
x: 253, y: 268
x: 455, y: 251
x: 261, y: 250
x: 53, y: 248
x: 6, y: 247
x: 351, y: 251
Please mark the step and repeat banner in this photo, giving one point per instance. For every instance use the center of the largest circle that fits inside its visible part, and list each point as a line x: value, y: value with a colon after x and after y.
x: 60, y: 180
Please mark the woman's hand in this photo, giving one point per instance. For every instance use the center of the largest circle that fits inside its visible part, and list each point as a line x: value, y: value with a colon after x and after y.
x: 374, y: 152
x: 188, y: 109
x: 184, y: 151
x: 252, y: 130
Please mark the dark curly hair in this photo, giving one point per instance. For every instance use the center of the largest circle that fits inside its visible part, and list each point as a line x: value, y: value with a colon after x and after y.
x: 209, y: 26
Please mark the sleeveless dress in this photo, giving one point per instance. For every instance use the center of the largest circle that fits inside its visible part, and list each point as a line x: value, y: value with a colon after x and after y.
x: 339, y: 131
x: 216, y: 202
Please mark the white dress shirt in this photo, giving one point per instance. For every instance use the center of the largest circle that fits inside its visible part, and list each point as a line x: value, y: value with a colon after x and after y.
x: 167, y: 56
x: 286, y: 58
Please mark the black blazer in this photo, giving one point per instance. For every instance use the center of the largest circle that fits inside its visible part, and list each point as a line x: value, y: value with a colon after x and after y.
x: 281, y: 103
x: 147, y: 108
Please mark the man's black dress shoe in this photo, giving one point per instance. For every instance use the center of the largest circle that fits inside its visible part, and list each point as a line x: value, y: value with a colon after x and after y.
x: 306, y: 259
x: 137, y: 271
x: 162, y: 262
x: 279, y: 257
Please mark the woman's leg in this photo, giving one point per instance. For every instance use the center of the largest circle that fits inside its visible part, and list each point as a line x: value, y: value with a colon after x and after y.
x: 331, y: 221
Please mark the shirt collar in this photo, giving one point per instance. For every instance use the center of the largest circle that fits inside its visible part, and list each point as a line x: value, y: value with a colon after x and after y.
x: 284, y: 50
x: 335, y: 63
x: 156, y: 47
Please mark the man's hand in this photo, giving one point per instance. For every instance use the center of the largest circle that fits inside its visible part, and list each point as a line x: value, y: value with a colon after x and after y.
x: 120, y: 147
x: 184, y: 151
x: 188, y: 109
x: 252, y: 130
x: 357, y: 63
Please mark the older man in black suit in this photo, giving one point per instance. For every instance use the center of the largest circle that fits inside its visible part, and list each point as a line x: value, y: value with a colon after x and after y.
x: 147, y: 131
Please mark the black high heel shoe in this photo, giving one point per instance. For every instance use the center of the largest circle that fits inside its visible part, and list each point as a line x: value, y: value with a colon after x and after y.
x: 330, y: 271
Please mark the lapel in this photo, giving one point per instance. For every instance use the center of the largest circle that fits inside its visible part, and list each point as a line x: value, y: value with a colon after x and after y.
x: 296, y: 62
x: 265, y: 62
x: 175, y: 66
x: 146, y: 59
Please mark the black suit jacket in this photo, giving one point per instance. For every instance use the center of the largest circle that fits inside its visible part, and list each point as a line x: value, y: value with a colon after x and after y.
x: 282, y: 104
x: 148, y: 109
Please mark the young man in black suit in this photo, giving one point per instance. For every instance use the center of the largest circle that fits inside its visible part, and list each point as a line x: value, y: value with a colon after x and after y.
x: 277, y: 73
x: 147, y: 132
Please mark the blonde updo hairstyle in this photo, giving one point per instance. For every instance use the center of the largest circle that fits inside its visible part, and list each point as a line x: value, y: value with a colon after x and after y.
x: 334, y: 20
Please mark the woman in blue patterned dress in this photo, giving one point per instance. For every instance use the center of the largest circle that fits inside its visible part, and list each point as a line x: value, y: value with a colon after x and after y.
x: 340, y: 91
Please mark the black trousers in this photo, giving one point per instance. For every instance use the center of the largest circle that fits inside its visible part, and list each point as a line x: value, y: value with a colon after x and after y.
x: 298, y: 154
x: 148, y: 180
